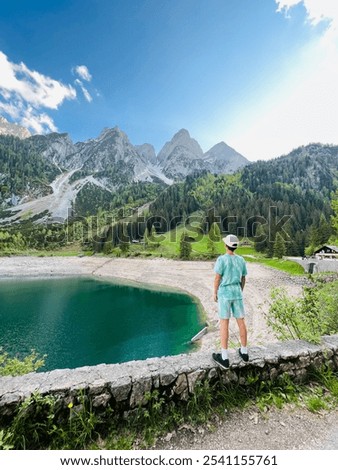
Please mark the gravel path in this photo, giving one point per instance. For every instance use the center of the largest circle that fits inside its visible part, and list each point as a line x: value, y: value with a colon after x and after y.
x: 291, y: 428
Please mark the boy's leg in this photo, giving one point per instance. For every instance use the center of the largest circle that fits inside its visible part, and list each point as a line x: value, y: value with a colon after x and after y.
x: 224, y: 332
x: 243, y: 334
x: 224, y: 314
x: 222, y: 359
x: 243, y: 350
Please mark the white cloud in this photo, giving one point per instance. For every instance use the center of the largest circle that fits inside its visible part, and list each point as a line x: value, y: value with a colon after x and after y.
x: 24, y: 93
x: 317, y: 11
x: 31, y: 86
x: 84, y: 75
x: 83, y: 72
x: 84, y: 90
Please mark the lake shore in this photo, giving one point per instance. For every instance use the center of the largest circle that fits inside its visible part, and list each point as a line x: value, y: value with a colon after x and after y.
x: 192, y: 277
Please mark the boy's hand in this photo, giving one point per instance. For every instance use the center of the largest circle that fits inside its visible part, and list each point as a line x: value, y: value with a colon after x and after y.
x: 215, y: 297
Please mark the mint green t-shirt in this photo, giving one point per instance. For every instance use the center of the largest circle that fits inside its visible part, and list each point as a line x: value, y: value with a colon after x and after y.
x: 231, y: 268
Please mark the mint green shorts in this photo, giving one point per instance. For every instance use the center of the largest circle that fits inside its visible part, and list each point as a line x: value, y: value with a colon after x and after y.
x: 228, y: 308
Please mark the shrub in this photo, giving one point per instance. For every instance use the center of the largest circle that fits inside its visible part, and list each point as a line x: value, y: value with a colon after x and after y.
x: 300, y: 318
x: 16, y: 366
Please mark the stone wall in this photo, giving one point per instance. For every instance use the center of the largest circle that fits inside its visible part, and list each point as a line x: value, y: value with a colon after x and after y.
x: 124, y: 386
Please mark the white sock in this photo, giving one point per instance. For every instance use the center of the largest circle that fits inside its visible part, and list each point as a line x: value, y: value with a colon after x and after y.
x: 224, y: 354
x: 244, y: 350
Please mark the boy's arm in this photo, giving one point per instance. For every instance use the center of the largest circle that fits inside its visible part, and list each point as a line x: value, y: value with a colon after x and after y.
x: 242, y: 282
x: 217, y: 282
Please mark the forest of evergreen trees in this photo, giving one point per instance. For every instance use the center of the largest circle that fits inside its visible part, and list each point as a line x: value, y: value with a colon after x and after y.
x: 286, y: 200
x: 22, y: 170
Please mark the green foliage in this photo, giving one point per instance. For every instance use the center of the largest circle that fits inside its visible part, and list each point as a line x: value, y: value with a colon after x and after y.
x: 320, y: 232
x: 328, y: 301
x: 90, y: 199
x: 33, y: 423
x: 5, y: 439
x: 23, y: 169
x: 260, y: 240
x: 11, y: 242
x: 327, y: 378
x: 215, y: 233
x: 279, y: 248
x: 258, y: 197
x: 124, y: 246
x: 118, y: 204
x: 36, y: 425
x: 214, y: 236
x: 316, y: 403
x: 185, y: 247
x: 276, y: 392
x: 16, y: 366
x: 334, y: 205
x: 211, y: 247
x: 308, y: 317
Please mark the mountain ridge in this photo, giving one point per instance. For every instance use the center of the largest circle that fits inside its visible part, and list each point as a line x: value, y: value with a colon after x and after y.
x: 109, y: 162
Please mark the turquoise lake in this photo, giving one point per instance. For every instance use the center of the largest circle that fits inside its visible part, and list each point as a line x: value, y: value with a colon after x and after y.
x: 77, y: 321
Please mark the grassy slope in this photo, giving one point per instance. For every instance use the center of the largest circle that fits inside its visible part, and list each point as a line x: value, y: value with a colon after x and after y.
x: 169, y: 243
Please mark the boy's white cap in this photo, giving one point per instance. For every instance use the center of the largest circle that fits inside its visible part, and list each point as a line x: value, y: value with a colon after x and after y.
x: 231, y: 241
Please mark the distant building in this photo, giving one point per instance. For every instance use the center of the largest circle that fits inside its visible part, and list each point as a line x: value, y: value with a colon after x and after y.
x: 327, y: 252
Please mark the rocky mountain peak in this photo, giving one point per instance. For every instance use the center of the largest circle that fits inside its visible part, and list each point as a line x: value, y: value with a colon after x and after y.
x: 181, y: 143
x: 112, y: 132
x: 222, y: 158
x: 148, y: 152
x: 8, y: 128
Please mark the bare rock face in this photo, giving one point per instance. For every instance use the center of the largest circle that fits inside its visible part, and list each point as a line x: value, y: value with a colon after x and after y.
x: 224, y: 159
x: 180, y: 156
x: 183, y: 155
x: 7, y: 128
x: 148, y: 152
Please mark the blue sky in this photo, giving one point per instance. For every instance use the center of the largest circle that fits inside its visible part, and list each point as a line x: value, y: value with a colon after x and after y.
x: 258, y: 74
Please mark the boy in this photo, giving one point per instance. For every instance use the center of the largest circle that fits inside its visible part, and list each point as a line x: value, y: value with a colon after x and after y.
x: 229, y: 283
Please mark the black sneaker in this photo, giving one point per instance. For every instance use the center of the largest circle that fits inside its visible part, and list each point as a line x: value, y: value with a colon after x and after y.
x: 224, y: 363
x: 244, y: 356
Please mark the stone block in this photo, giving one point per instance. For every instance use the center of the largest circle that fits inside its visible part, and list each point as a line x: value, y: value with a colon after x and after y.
x: 181, y: 385
x: 167, y: 379
x: 194, y: 378
x: 101, y: 400
x: 331, y: 342
x: 138, y: 392
x: 120, y: 389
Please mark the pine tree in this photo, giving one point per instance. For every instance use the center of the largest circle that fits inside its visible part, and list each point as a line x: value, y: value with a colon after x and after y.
x: 214, y: 232
x: 260, y: 239
x: 146, y: 237
x: 279, y: 248
x: 185, y: 247
x: 334, y: 218
x: 211, y: 247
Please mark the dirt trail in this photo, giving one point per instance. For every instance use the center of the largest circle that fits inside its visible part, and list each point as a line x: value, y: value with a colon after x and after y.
x: 290, y: 428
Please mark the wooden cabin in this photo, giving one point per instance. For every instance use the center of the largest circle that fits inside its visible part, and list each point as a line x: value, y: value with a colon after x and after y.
x: 327, y: 252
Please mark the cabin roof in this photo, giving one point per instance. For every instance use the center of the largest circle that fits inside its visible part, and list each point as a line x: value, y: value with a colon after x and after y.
x: 331, y: 247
